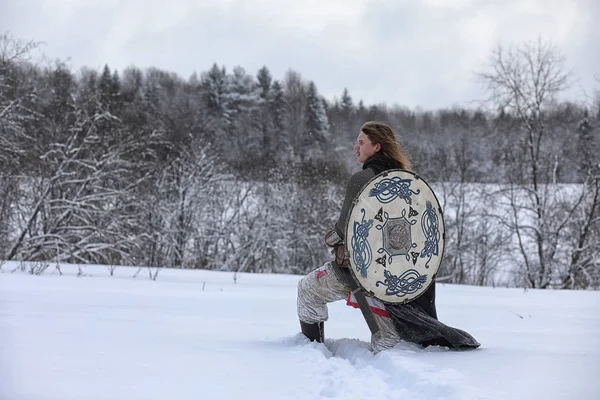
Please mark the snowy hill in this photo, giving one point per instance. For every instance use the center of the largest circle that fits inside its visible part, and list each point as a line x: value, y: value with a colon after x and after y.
x: 199, y: 335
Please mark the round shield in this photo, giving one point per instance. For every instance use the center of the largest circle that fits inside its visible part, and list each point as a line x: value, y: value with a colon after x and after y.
x: 395, y: 236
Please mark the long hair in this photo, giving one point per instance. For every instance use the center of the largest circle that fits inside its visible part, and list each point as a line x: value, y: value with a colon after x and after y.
x: 379, y: 132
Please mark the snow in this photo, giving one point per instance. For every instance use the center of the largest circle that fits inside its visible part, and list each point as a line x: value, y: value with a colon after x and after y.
x: 198, y: 335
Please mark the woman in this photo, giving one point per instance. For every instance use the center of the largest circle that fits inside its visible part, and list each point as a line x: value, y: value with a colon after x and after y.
x: 378, y: 150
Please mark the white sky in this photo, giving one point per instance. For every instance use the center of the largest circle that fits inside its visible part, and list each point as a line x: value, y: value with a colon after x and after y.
x: 411, y: 53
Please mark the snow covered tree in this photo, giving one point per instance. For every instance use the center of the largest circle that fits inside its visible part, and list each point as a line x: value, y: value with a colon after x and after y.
x: 583, y: 237
x: 213, y: 89
x: 347, y: 125
x: 525, y: 81
x: 73, y: 215
x: 583, y: 231
x: 269, y: 119
x: 316, y: 132
x: 278, y: 114
x: 264, y: 82
x: 346, y: 105
x: 17, y: 92
x: 109, y: 86
x: 295, y: 100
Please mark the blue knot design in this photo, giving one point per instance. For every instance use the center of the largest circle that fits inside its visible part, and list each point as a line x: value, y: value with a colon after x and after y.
x: 362, y: 254
x: 389, y: 189
x: 431, y: 231
x: 408, y: 283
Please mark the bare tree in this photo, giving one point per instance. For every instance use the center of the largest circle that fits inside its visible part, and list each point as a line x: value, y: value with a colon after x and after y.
x: 16, y: 92
x: 583, y: 234
x: 73, y: 213
x: 525, y: 82
x: 583, y: 271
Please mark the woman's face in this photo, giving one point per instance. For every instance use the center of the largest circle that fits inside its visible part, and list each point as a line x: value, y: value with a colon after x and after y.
x: 364, y: 148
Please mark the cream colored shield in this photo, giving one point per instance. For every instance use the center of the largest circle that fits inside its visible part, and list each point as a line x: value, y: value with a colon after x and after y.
x: 395, y: 236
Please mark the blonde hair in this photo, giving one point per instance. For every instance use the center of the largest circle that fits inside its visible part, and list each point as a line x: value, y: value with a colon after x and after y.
x: 379, y: 132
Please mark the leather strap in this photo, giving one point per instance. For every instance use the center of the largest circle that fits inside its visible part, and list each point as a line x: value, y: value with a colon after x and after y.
x: 360, y: 297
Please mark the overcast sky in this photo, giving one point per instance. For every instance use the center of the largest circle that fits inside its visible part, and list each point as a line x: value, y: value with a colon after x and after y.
x: 406, y: 52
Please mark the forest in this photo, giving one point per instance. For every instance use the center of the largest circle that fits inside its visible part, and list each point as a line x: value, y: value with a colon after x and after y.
x: 242, y: 172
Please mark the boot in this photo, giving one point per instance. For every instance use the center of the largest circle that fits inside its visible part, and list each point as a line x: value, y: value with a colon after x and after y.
x: 314, y: 332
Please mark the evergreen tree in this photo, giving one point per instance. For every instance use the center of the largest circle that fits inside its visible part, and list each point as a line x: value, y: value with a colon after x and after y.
x: 346, y: 105
x: 277, y: 109
x: 317, y: 123
x: 213, y: 87
x: 264, y: 120
x: 265, y: 80
x: 243, y: 133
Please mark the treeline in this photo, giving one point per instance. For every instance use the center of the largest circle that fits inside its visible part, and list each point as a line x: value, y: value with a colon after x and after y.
x: 226, y: 170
